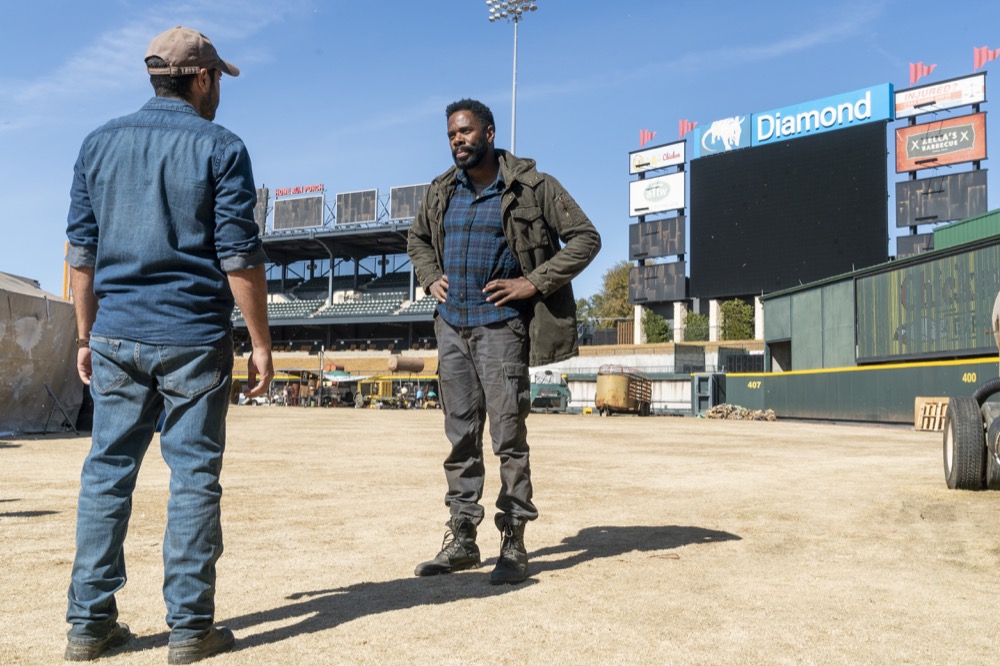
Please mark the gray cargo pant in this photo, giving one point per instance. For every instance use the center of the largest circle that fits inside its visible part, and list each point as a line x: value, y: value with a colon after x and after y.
x: 484, y: 371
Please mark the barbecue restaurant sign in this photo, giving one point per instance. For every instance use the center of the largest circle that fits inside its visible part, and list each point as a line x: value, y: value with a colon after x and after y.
x: 823, y: 115
x: 941, y: 142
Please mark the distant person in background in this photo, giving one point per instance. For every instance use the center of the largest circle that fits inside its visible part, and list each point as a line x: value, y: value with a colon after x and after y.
x: 496, y: 243
x: 162, y: 241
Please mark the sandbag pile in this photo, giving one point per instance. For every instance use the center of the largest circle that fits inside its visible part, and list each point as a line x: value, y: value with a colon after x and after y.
x: 737, y: 413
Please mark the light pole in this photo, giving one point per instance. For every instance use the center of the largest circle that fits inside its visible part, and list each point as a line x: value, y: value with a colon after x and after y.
x: 511, y: 11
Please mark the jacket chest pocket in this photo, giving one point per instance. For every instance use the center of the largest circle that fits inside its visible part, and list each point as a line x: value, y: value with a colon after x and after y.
x: 530, y: 230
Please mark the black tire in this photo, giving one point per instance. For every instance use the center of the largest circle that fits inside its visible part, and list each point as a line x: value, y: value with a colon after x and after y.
x: 992, y: 472
x: 985, y: 390
x: 964, y: 446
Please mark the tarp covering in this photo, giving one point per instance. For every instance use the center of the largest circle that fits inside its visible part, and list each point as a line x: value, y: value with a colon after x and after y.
x: 37, y: 348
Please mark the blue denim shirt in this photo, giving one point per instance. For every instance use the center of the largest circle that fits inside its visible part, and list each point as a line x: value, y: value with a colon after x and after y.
x: 162, y: 207
x: 475, y: 252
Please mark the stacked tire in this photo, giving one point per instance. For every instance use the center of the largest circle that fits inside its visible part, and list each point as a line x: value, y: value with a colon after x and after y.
x: 970, y: 447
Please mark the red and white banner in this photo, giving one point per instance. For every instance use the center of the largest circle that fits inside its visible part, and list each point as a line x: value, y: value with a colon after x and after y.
x: 645, y: 136
x: 982, y: 55
x: 685, y: 126
x: 919, y: 70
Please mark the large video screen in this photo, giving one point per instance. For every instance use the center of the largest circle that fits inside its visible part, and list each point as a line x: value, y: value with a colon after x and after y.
x: 404, y: 202
x: 357, y: 207
x: 298, y: 213
x: 779, y: 215
x: 659, y: 238
x: 657, y: 283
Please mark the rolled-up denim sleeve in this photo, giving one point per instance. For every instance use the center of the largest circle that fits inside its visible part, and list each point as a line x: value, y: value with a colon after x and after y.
x: 81, y: 223
x: 237, y: 239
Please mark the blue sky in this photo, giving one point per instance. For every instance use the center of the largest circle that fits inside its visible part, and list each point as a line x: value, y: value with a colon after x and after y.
x: 352, y: 94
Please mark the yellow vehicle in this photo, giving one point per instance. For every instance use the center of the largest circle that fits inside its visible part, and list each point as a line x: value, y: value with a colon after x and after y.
x: 399, y: 391
x: 622, y: 390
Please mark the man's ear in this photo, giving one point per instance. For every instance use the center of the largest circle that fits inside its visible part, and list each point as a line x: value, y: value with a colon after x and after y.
x: 204, y: 80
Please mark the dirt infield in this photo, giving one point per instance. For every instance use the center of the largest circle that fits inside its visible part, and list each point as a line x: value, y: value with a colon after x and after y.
x: 661, y: 540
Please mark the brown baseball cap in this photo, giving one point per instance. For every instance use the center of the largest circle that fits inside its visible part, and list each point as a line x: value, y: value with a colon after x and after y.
x: 186, y: 51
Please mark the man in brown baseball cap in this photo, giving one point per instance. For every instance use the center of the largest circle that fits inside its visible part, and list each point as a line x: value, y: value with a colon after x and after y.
x: 185, y: 51
x: 162, y: 243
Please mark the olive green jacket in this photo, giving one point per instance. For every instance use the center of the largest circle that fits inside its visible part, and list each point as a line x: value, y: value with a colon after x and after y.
x: 548, y: 233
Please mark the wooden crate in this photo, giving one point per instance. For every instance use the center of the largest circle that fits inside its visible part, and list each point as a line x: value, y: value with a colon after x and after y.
x: 929, y: 413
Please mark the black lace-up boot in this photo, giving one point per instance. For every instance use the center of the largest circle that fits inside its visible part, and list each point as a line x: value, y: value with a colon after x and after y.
x: 512, y: 565
x: 458, y: 551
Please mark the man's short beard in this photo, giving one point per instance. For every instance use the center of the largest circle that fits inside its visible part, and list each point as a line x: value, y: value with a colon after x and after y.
x: 475, y: 157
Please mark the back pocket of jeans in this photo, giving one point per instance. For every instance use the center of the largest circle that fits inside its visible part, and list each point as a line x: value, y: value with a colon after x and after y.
x: 190, y: 371
x: 106, y: 373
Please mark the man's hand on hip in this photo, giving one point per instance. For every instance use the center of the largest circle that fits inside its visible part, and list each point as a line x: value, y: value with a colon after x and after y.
x: 502, y: 292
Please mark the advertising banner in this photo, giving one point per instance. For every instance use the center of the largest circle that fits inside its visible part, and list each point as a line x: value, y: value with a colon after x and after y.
x: 937, y: 307
x: 659, y: 157
x: 941, y: 143
x: 656, y: 195
x: 941, y: 198
x: 823, y: 115
x: 659, y: 283
x: 942, y: 95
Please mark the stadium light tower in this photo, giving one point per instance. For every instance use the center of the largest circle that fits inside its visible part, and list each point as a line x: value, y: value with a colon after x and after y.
x: 511, y: 11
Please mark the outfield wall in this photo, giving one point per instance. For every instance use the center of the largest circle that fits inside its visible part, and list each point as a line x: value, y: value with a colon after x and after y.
x: 883, y: 393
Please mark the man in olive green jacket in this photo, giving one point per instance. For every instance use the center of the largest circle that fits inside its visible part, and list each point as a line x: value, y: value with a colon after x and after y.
x: 496, y: 243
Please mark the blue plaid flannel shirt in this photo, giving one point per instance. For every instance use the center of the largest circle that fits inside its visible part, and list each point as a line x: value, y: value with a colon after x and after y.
x: 475, y: 252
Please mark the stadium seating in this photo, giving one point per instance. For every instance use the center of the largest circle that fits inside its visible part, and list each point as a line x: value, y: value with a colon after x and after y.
x: 293, y: 309
x: 393, y: 281
x: 318, y: 287
x: 425, y: 305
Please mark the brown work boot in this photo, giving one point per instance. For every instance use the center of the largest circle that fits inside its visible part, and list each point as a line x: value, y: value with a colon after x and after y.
x: 89, y: 650
x: 217, y: 640
x: 458, y: 550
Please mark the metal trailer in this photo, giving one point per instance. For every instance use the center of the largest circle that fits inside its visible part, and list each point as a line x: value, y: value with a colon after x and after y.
x: 622, y: 390
x: 972, y: 433
x: 549, y: 393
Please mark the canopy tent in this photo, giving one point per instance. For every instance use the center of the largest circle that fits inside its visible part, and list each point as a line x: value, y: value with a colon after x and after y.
x: 37, y: 359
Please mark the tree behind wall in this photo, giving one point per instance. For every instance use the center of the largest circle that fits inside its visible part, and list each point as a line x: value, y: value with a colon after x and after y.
x: 611, y: 303
x: 696, y: 327
x: 656, y: 328
x: 737, y: 320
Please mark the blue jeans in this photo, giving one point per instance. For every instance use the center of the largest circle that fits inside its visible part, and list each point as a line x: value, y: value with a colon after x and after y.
x: 131, y: 384
x: 484, y: 370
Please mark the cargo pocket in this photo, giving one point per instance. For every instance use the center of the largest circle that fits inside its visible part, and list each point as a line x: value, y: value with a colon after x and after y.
x: 517, y: 388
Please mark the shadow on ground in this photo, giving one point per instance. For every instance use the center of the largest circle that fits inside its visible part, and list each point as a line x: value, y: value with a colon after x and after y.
x: 26, y: 514
x: 324, y: 609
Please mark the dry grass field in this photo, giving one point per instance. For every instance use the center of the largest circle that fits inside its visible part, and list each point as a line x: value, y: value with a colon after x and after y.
x: 661, y: 541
